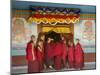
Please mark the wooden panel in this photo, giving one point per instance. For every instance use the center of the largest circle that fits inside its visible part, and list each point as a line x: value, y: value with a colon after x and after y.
x: 18, y: 60
x: 90, y: 57
x: 21, y: 60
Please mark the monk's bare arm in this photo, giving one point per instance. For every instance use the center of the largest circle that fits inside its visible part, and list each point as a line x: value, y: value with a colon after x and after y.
x: 33, y: 56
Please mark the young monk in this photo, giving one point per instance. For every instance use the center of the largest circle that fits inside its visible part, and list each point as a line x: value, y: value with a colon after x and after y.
x: 31, y: 56
x: 41, y: 36
x: 71, y: 50
x: 48, y: 53
x: 64, y: 50
x: 40, y: 55
x: 79, y: 55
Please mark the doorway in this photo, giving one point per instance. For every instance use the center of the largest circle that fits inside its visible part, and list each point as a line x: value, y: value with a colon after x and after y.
x: 66, y: 29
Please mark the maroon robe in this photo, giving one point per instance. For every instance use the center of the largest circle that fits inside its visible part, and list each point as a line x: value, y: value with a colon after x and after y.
x: 71, y: 50
x: 32, y: 63
x: 49, y: 47
x: 57, y: 53
x: 40, y: 58
x: 49, y: 50
x: 79, y: 56
x: 64, y: 53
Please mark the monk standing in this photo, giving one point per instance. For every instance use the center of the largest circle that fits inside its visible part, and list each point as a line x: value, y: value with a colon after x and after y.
x: 49, y: 53
x: 71, y: 50
x: 64, y: 50
x: 79, y: 56
x: 31, y: 56
x: 40, y: 55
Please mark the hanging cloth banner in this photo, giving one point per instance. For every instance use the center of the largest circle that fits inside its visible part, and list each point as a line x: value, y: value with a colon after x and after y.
x: 53, y: 15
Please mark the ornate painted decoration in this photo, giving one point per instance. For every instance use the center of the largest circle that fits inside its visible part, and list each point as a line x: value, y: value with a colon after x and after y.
x: 52, y: 15
x: 89, y: 33
x: 57, y: 29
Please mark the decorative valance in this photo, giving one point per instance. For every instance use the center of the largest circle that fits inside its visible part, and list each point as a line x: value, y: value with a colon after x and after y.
x: 54, y: 15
